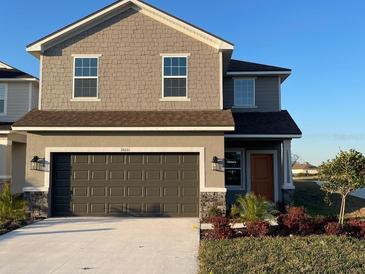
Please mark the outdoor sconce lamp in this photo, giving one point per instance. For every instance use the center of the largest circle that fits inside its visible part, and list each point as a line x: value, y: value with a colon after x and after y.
x: 217, y: 164
x: 37, y: 163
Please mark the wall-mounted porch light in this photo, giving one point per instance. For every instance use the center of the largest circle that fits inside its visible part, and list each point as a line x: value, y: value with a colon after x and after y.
x: 37, y: 163
x: 217, y: 164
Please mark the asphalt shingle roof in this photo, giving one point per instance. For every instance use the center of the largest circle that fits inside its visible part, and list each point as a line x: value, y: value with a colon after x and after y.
x: 273, y: 123
x: 237, y: 65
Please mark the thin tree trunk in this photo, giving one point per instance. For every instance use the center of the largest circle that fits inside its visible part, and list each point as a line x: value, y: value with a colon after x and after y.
x: 342, y: 210
x: 340, y: 214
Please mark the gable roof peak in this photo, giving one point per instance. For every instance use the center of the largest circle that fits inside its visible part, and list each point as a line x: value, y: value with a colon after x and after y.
x: 37, y: 47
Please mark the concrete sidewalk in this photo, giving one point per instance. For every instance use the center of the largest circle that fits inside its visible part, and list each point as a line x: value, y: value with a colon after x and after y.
x: 102, y: 245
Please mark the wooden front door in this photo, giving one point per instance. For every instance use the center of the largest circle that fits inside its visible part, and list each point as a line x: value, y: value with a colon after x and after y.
x: 262, y: 175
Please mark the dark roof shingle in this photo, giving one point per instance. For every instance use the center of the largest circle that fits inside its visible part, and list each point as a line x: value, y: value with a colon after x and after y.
x: 40, y: 118
x: 239, y: 66
x: 273, y: 123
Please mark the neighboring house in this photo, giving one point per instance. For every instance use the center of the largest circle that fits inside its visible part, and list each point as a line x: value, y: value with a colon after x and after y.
x: 304, y: 169
x: 139, y: 110
x: 18, y: 95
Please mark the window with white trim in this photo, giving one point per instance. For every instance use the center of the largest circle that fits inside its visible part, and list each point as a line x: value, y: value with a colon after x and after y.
x: 175, y: 76
x: 244, y: 92
x: 3, y: 88
x: 233, y: 168
x: 85, y: 77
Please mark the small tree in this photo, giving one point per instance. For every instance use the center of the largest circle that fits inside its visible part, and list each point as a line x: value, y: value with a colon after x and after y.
x: 294, y: 159
x: 343, y: 174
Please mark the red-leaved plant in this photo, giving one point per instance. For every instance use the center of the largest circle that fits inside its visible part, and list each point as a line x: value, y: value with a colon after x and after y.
x: 333, y: 228
x: 356, y: 228
x: 221, y: 228
x: 296, y: 221
x: 258, y: 229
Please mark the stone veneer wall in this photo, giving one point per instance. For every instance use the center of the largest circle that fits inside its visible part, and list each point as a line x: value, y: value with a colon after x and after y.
x: 212, y: 199
x: 37, y: 203
x: 288, y: 196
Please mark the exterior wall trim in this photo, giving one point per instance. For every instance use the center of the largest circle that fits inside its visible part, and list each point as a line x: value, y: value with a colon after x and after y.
x: 258, y: 72
x: 275, y: 161
x: 200, y: 150
x: 218, y: 128
x: 262, y: 136
x: 18, y: 79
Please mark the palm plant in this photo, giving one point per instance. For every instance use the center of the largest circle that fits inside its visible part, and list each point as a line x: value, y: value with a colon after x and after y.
x: 11, y: 208
x: 252, y: 208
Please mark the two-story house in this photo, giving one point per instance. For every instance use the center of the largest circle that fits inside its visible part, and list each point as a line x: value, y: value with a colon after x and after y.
x: 144, y: 114
x: 18, y: 95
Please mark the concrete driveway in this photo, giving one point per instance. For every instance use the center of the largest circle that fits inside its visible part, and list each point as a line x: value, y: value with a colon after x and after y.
x: 102, y: 245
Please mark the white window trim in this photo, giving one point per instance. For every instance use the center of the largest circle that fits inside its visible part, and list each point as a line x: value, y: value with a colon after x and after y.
x: 254, y: 92
x: 5, y: 100
x: 177, y: 98
x: 242, y: 168
x: 85, y: 99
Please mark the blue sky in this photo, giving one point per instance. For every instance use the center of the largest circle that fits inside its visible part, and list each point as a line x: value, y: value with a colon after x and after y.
x: 323, y: 42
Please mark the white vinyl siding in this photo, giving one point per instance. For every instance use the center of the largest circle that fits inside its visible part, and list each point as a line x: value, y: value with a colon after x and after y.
x: 3, y: 98
x: 244, y: 92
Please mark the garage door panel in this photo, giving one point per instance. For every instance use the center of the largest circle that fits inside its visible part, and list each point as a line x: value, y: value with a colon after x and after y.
x: 80, y: 175
x: 80, y: 159
x: 98, y: 191
x: 153, y: 175
x: 99, y: 175
x: 153, y: 192
x: 134, y: 191
x: 189, y: 208
x: 170, y: 175
x: 98, y: 209
x: 117, y: 175
x: 126, y: 184
x: 116, y: 191
x: 134, y: 175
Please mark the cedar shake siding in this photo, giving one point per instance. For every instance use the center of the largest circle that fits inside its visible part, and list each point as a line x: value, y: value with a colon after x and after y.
x: 130, y: 67
x: 267, y: 94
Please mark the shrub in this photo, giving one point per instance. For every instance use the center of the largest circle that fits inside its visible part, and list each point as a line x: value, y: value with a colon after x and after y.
x: 221, y: 228
x: 319, y: 223
x: 258, y: 228
x: 356, y: 228
x: 333, y: 228
x: 11, y: 208
x: 252, y: 208
x: 214, y: 211
x: 296, y: 221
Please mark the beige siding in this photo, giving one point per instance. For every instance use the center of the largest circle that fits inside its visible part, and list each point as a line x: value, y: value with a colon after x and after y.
x: 267, y: 94
x: 130, y: 74
x: 18, y: 164
x: 213, y: 144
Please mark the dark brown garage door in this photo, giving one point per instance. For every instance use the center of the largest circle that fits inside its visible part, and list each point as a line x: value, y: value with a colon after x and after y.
x: 125, y: 184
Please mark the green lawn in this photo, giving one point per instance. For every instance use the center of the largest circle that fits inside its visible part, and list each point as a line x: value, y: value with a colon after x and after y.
x: 309, y: 195
x: 314, y: 254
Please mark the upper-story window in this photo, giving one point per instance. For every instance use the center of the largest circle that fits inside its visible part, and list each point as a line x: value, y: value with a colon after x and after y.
x: 85, y: 77
x: 3, y: 95
x: 244, y: 92
x: 175, y: 77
